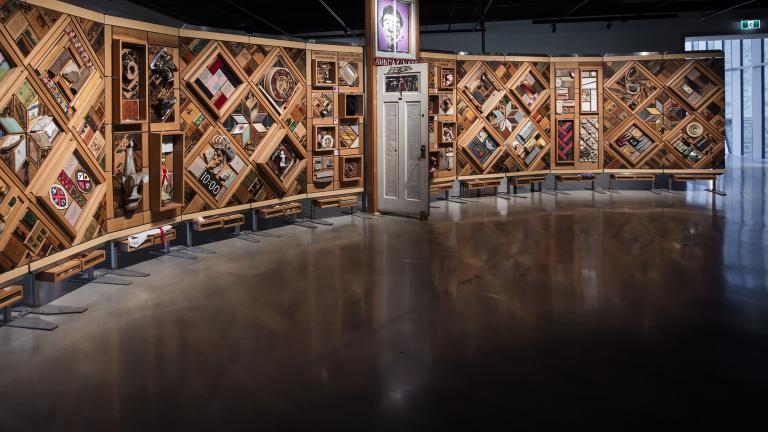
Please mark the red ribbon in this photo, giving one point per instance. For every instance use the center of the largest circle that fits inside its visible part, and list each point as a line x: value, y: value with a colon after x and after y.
x: 164, y: 178
x: 162, y: 235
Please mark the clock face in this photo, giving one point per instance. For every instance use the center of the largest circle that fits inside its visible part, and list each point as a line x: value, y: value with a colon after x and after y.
x: 281, y: 84
x: 59, y: 197
x: 83, y: 181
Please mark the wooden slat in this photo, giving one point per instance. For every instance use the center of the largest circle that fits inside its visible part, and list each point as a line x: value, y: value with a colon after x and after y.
x: 11, y: 295
x: 693, y: 177
x: 92, y: 258
x: 62, y: 271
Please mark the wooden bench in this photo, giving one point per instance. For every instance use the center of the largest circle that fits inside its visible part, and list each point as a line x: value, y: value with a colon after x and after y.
x: 9, y: 296
x: 73, y: 266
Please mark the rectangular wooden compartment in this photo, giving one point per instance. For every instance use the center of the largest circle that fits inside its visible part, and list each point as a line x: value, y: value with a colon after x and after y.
x: 118, y: 110
x: 11, y: 295
x: 176, y: 171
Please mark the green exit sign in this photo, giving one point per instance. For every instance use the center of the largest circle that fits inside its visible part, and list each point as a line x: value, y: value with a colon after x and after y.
x: 750, y: 24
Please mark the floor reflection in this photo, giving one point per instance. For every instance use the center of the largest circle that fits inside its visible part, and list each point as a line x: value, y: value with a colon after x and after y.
x: 545, y: 311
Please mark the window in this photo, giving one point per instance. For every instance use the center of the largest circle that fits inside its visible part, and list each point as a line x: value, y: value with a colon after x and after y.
x: 746, y: 91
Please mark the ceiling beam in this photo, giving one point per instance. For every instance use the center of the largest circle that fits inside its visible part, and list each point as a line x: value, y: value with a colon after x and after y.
x: 597, y: 18
x: 711, y: 14
x: 575, y: 8
x: 483, y: 14
x: 346, y: 28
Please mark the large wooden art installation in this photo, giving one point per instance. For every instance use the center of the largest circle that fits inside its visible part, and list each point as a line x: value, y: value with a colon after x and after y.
x: 110, y: 126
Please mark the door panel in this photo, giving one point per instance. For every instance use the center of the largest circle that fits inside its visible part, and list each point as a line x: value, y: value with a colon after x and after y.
x: 391, y: 160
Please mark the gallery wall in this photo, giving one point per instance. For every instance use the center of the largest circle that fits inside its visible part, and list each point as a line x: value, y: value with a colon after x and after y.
x: 111, y: 126
x: 507, y: 116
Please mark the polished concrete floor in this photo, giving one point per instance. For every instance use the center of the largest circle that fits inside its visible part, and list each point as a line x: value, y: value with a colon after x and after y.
x: 620, y: 311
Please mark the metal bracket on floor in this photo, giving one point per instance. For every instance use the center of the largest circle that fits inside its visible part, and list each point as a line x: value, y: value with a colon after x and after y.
x: 102, y: 277
x: 293, y: 220
x: 653, y: 188
x: 312, y: 217
x: 715, y: 190
x: 26, y: 322
x: 50, y: 309
x: 596, y: 189
x: 351, y: 212
x: 447, y: 197
x: 244, y: 235
x: 189, y: 247
x: 128, y: 273
x: 549, y: 191
x: 507, y: 196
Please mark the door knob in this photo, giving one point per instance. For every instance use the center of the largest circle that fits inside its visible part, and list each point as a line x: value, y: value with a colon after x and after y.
x: 423, y: 151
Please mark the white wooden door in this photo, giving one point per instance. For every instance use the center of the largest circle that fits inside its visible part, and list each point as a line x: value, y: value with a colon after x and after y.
x: 403, y: 171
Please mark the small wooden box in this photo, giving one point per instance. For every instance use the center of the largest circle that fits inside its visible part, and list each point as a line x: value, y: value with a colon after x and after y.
x: 62, y: 271
x: 171, y: 146
x: 325, y: 73
x: 129, y: 111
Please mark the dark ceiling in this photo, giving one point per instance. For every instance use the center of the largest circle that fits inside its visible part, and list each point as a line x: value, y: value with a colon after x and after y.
x: 310, y: 16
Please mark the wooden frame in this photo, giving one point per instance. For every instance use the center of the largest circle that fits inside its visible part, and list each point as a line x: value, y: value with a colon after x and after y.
x: 120, y: 108
x: 158, y: 141
x: 345, y: 176
x: 331, y: 76
x: 219, y: 54
x: 331, y: 131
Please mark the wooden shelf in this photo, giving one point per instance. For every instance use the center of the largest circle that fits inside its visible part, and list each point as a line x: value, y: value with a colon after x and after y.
x: 152, y: 240
x: 693, y: 177
x: 216, y: 222
x: 440, y: 187
x: 11, y: 295
x: 280, y: 210
x: 524, y: 181
x: 62, y: 271
x: 480, y: 184
x: 343, y: 201
x: 633, y: 177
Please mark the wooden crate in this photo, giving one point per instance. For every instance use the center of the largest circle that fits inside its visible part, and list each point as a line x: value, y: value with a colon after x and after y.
x: 569, y: 178
x: 62, y: 271
x: 152, y: 240
x: 208, y: 224
x: 633, y: 177
x: 292, y: 209
x: 480, y: 184
x: 693, y: 177
x: 92, y: 258
x: 232, y: 220
x: 11, y: 295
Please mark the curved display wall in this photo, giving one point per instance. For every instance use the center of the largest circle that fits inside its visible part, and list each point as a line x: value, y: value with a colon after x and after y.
x: 110, y: 126
x: 505, y: 116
